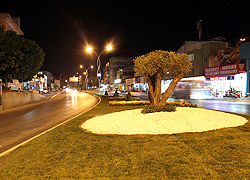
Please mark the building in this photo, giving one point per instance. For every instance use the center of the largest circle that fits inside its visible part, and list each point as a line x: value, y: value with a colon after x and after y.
x: 10, y: 24
x: 50, y: 78
x: 42, y: 81
x: 199, y: 52
x: 218, y: 70
x: 245, y: 55
x: 106, y: 74
x: 121, y: 60
x: 122, y: 75
x: 38, y: 83
x: 226, y: 73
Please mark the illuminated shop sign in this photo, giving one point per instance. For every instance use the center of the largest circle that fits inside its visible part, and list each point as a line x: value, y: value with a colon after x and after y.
x: 225, y: 70
x: 116, y: 81
x: 73, y: 79
x: 224, y: 78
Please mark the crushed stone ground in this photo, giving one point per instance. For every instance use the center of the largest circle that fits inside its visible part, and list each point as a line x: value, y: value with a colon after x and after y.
x: 184, y: 119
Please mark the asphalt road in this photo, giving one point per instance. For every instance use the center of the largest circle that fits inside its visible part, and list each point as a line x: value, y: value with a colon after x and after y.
x: 20, y: 124
x: 234, y: 105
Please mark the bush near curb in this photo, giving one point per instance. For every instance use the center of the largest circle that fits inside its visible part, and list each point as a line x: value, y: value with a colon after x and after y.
x: 182, y: 104
x: 122, y: 99
x: 129, y: 97
x: 164, y: 108
x: 129, y: 103
x: 139, y: 103
x: 116, y: 94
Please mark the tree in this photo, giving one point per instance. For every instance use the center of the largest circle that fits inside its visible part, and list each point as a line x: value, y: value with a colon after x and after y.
x: 9, y: 53
x: 157, y: 64
x: 31, y: 61
x: 20, y: 58
x: 55, y: 85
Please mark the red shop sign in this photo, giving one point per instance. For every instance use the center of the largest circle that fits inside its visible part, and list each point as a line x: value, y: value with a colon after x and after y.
x: 225, y: 70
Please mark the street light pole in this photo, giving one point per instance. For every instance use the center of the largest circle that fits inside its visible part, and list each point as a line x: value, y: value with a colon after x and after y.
x: 86, y: 75
x: 98, y: 63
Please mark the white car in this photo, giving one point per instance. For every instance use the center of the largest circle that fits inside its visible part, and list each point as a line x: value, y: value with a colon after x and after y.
x: 45, y: 91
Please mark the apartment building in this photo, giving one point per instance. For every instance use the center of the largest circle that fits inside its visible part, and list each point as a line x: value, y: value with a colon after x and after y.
x: 10, y: 23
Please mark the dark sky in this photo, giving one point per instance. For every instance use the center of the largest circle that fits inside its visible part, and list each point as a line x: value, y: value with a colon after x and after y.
x: 64, y: 28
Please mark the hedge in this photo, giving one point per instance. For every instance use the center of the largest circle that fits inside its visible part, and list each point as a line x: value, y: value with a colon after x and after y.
x: 144, y: 103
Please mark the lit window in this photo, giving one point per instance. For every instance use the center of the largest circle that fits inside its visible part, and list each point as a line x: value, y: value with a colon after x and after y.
x: 191, y: 57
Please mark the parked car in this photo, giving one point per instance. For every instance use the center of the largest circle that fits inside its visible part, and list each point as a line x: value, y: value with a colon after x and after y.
x: 45, y: 91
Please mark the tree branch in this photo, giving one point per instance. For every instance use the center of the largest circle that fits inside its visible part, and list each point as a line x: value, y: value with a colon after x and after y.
x: 171, y: 88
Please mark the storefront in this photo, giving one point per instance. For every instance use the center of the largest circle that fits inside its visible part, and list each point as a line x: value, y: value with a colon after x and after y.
x: 245, y: 55
x: 201, y: 87
x: 38, y: 83
x: 227, y: 81
x: 228, y: 86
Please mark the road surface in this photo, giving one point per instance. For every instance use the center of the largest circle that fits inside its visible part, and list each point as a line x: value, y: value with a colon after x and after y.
x: 20, y: 124
x: 238, y: 105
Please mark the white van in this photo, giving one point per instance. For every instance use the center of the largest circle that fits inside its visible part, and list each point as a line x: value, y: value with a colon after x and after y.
x: 14, y: 85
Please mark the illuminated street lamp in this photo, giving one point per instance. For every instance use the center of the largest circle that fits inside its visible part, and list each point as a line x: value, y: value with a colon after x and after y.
x: 242, y: 39
x: 89, y: 49
x: 86, y: 75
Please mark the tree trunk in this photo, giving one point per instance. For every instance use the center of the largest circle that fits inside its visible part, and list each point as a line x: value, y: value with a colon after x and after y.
x: 171, y: 88
x: 154, y: 91
x: 6, y: 83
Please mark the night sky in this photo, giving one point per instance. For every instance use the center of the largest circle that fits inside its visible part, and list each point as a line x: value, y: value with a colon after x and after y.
x: 64, y: 28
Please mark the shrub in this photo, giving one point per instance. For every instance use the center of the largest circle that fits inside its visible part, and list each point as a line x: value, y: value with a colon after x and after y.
x: 116, y: 93
x: 164, y: 108
x: 129, y: 103
x: 5, y: 88
x: 121, y: 98
x: 129, y: 97
x: 182, y: 104
x: 167, y: 108
x: 105, y: 95
x: 138, y: 102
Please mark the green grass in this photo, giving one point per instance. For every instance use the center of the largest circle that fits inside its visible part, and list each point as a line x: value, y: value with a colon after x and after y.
x: 68, y: 152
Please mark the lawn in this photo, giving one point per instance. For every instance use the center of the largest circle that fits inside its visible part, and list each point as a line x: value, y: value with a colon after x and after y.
x: 68, y: 152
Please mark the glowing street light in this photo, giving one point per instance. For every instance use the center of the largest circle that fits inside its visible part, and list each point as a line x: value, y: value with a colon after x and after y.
x: 89, y: 49
x: 86, y: 75
x: 242, y: 39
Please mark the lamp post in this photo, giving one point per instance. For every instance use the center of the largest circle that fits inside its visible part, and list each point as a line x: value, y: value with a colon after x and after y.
x: 86, y: 75
x: 98, y: 63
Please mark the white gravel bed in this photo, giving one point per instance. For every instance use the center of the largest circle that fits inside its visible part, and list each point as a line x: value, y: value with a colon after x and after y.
x: 184, y: 119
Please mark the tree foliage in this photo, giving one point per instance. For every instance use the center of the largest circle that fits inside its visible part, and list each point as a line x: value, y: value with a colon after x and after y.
x: 157, y: 64
x: 20, y: 58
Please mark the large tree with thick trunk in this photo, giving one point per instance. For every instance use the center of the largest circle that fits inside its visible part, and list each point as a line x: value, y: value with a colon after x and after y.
x: 157, y: 64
